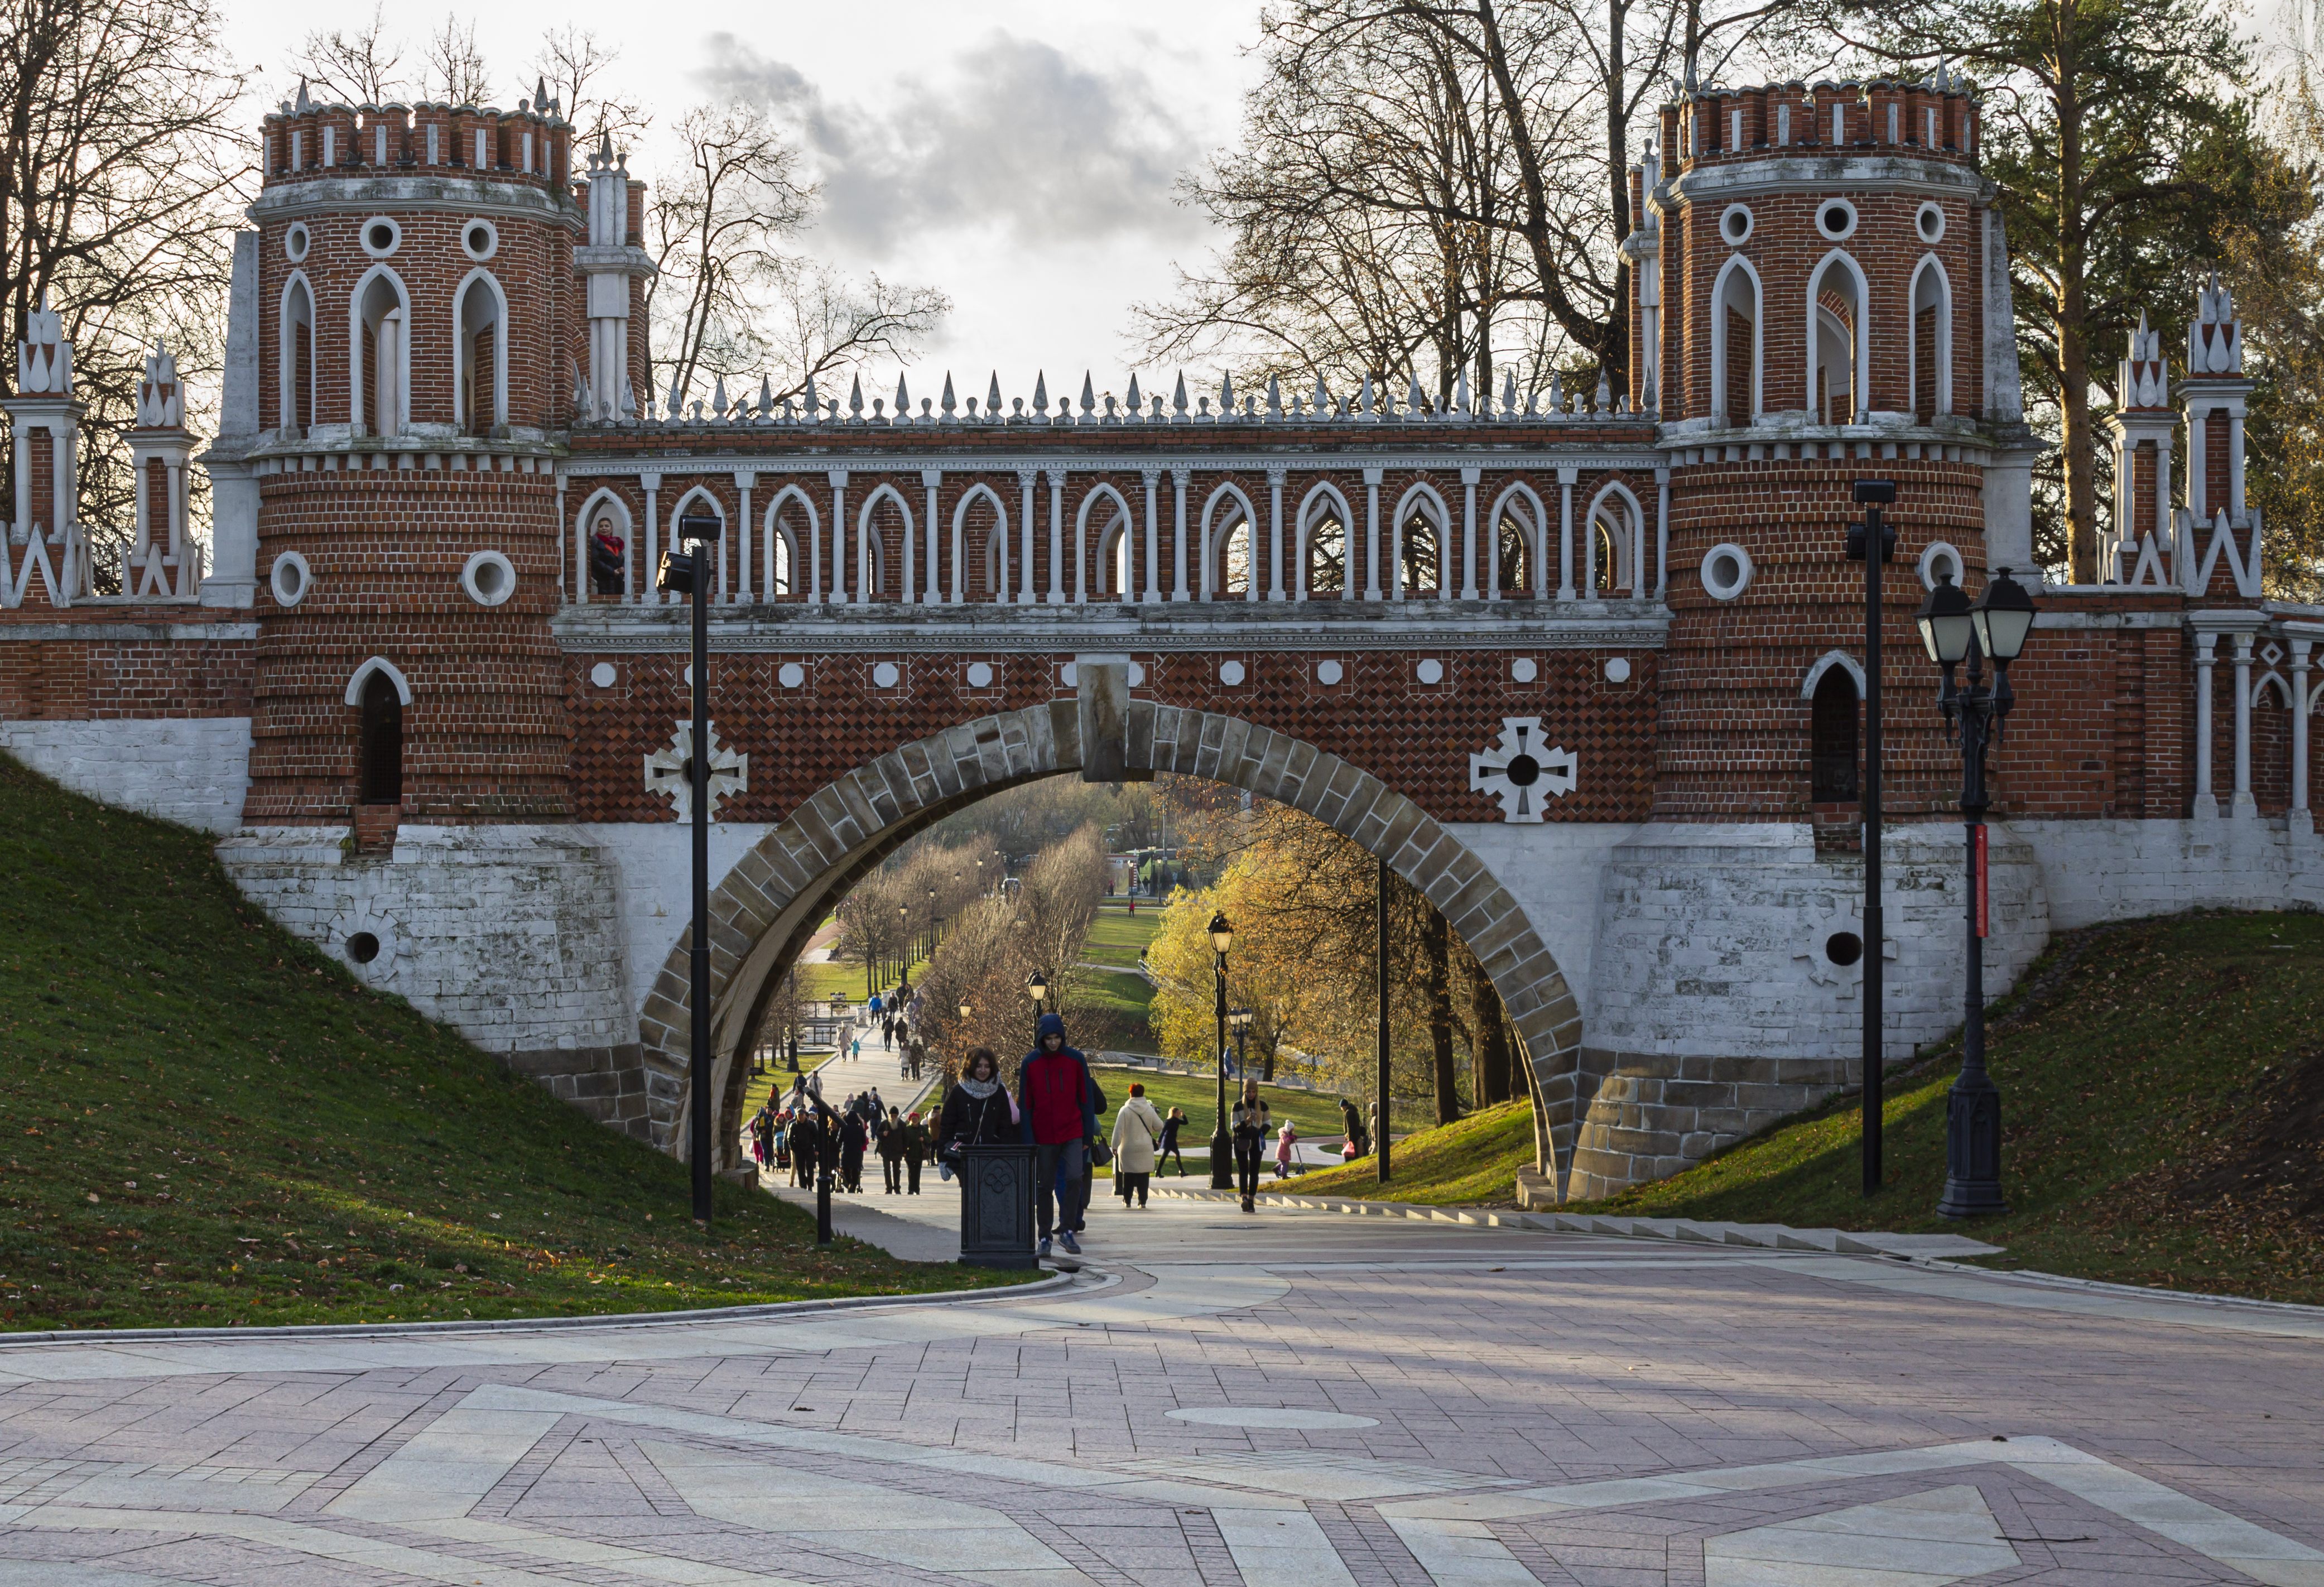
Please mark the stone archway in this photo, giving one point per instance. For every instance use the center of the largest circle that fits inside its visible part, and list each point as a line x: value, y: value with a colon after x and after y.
x: 769, y: 902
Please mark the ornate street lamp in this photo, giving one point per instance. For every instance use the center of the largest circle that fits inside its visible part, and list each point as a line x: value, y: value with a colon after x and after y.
x: 1239, y: 1019
x: 1036, y: 986
x: 1222, y: 1166
x: 1953, y: 630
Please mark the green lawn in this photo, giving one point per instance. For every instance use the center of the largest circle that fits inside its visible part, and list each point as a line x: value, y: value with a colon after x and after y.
x: 1118, y: 935
x: 1316, y: 1115
x: 1473, y: 1159
x: 214, y: 1124
x: 2161, y: 1083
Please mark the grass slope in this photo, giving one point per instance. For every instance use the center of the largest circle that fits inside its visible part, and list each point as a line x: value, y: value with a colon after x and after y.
x: 1317, y: 1116
x: 2163, y: 1104
x: 1472, y: 1159
x: 212, y: 1122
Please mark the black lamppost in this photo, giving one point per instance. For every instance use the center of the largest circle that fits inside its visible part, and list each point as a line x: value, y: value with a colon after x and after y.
x: 1038, y: 985
x: 1240, y: 1019
x: 928, y: 926
x: 1221, y: 1165
x: 1872, y: 495
x: 1953, y: 630
x: 688, y: 573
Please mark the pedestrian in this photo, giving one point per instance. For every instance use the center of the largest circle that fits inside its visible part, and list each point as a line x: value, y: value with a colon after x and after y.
x: 875, y: 1005
x: 856, y: 1052
x: 916, y: 1151
x: 1057, y: 1099
x: 1167, y: 1147
x: 1356, y: 1145
x: 1286, y: 1147
x: 891, y: 1150
x: 1136, y: 1130
x: 1250, y: 1129
x: 1089, y: 1162
x: 977, y: 1112
x: 872, y: 1112
x: 854, y: 1138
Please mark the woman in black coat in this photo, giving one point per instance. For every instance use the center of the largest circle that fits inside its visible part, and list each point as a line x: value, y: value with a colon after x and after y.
x: 978, y: 1110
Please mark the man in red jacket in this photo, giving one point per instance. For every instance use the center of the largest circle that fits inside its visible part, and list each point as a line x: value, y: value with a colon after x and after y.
x: 1059, y: 1100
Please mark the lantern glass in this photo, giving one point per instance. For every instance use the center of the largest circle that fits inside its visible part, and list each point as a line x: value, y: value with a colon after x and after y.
x: 2004, y: 615
x: 1221, y: 934
x: 1945, y: 622
x: 1039, y: 985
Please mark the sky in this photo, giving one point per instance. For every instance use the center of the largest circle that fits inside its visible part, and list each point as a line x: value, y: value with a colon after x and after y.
x: 1019, y: 158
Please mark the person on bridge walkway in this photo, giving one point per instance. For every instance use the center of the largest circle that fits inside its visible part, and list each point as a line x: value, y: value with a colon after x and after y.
x: 1250, y: 1130
x: 1057, y: 1097
x: 978, y: 1111
x: 1286, y: 1148
x: 891, y: 1150
x: 1136, y: 1130
x: 1167, y: 1147
x: 916, y: 1151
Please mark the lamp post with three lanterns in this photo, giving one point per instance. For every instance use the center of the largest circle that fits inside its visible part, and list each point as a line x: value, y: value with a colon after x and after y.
x: 1954, y: 629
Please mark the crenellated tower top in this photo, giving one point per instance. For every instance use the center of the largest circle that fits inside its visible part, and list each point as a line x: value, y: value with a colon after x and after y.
x: 305, y: 141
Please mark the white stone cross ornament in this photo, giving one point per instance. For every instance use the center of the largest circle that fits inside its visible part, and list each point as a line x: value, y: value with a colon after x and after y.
x: 667, y: 773
x: 1520, y: 773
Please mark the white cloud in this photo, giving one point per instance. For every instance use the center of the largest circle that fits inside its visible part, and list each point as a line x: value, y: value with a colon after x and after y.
x: 1021, y: 139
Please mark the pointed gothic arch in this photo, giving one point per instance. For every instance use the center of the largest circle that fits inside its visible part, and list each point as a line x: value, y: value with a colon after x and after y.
x: 296, y: 403
x: 1323, y: 502
x: 1119, y: 524
x: 379, y: 354
x: 1835, y: 344
x: 1420, y: 501
x: 480, y: 314
x: 1520, y: 507
x: 992, y: 557
x: 1241, y: 515
x: 777, y: 536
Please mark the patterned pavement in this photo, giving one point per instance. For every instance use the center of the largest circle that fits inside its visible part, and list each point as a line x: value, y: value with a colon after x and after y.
x: 1294, y: 1399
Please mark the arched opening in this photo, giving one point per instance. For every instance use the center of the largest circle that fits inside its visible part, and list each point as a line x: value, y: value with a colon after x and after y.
x: 1933, y: 340
x: 1422, y: 530
x: 1322, y: 546
x: 604, y: 530
x: 382, y: 357
x: 480, y: 350
x: 1616, y: 526
x: 980, y: 546
x: 763, y: 915
x: 1102, y: 531
x: 1520, y: 533
x: 296, y: 384
x: 1832, y: 738
x: 1836, y: 342
x: 379, y: 761
x: 791, y: 522
x: 1735, y: 347
x: 1232, y: 576
x: 884, y: 524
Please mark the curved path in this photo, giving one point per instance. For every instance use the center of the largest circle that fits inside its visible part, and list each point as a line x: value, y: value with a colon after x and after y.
x: 1298, y: 1399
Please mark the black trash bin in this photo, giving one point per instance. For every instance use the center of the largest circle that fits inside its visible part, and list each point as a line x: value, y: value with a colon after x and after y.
x: 996, y: 1206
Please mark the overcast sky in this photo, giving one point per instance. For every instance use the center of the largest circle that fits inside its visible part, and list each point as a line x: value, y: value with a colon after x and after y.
x: 1018, y: 157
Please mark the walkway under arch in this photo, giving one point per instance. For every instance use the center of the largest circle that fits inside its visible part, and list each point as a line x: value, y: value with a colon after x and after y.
x: 765, y: 909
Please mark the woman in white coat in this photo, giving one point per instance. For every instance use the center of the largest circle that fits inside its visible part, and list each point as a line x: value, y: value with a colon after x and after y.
x: 1136, y: 1128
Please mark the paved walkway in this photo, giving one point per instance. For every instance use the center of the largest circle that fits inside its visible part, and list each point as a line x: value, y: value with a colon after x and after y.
x: 1291, y: 1398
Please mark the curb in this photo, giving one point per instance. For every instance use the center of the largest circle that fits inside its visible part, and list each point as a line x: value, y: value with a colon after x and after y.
x: 786, y: 1308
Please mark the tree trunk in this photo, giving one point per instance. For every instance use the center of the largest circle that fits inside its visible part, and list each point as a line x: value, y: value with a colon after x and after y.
x: 2077, y: 440
x: 1486, y: 1019
x: 1436, y: 958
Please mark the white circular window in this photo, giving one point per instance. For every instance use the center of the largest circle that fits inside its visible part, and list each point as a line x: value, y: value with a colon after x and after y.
x: 1524, y: 670
x: 1231, y: 672
x: 885, y: 675
x: 1070, y: 676
x: 980, y: 675
x: 489, y: 579
x: 1931, y: 222
x: 296, y: 241
x: 291, y: 579
x: 1432, y: 670
x: 480, y: 240
x: 380, y: 236
x: 1735, y: 225
x: 791, y: 675
x: 1329, y: 672
x: 1836, y: 218
x: 1726, y: 571
x: 1617, y: 669
x: 1940, y: 559
x: 603, y: 675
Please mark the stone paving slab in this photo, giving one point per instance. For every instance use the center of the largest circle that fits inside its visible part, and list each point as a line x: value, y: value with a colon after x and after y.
x: 1365, y: 1400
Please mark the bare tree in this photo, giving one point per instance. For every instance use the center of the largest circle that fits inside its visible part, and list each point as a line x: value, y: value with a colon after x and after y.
x: 826, y: 324
x: 357, y: 67
x: 121, y: 182
x: 456, y: 73
x: 572, y: 63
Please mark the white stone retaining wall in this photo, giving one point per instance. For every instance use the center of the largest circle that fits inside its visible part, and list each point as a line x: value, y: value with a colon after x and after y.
x: 193, y: 770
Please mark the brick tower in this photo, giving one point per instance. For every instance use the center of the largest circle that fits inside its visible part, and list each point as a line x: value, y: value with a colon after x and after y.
x: 414, y: 349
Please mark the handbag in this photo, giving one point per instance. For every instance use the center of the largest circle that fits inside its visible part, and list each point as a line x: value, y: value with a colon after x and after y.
x: 1101, y: 1153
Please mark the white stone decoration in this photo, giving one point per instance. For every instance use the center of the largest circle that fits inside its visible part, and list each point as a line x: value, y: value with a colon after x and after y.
x: 665, y: 771
x: 1735, y: 225
x: 791, y: 675
x: 480, y: 239
x: 488, y: 579
x: 380, y: 236
x: 1329, y: 672
x: 1726, y: 571
x: 1930, y: 222
x: 290, y: 579
x: 1940, y: 557
x: 603, y: 675
x: 1519, y: 773
x: 1524, y: 670
x: 1617, y: 669
x: 295, y: 241
x: 1137, y: 668
x: 1231, y: 673
x: 1070, y: 675
x: 886, y: 674
x: 1430, y: 670
x: 980, y: 675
